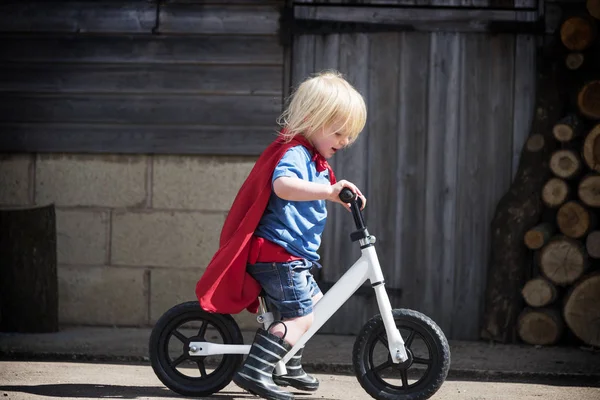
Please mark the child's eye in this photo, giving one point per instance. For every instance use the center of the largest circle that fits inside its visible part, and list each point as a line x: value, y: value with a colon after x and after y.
x: 338, y: 134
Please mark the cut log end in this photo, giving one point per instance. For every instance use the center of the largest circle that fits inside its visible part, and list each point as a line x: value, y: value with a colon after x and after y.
x: 563, y: 261
x: 567, y: 128
x: 555, y: 192
x: 591, y: 149
x: 538, y: 236
x: 535, y: 143
x: 589, y: 190
x: 541, y: 326
x: 582, y: 310
x: 565, y: 164
x: 28, y: 271
x: 574, y: 60
x: 539, y: 292
x: 577, y: 33
x: 592, y: 244
x: 588, y: 100
x: 593, y: 7
x: 574, y: 220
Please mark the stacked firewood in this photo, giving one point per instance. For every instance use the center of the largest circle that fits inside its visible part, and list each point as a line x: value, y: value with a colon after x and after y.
x: 564, y: 292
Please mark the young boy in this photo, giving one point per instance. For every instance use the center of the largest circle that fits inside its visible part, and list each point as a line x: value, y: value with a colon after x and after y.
x: 273, y: 230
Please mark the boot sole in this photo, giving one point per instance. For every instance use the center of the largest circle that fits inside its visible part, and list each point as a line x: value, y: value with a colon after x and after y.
x: 304, y: 388
x: 257, y: 390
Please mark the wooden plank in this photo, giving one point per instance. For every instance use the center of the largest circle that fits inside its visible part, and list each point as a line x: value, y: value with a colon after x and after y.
x: 441, y: 178
x: 498, y: 167
x: 327, y: 49
x: 350, y: 165
x: 411, y: 237
x: 511, y: 4
x: 255, y: 50
x: 326, y: 56
x: 152, y: 139
x: 346, y: 53
x: 366, y: 2
x: 474, y: 136
x: 219, y: 19
x: 303, y: 55
x: 78, y: 16
x: 382, y: 155
x: 419, y: 18
x: 141, y: 109
x: 233, y: 2
x: 157, y: 79
x: 524, y: 90
x: 485, y: 154
x: 439, y: 3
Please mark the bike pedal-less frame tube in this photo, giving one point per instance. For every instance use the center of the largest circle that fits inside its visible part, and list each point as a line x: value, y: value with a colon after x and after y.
x: 365, y: 268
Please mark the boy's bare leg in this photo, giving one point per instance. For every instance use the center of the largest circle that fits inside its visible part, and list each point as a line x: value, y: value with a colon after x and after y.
x: 296, y: 326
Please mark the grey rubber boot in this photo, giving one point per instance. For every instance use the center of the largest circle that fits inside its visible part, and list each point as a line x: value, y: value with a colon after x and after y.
x: 256, y: 374
x: 296, y: 376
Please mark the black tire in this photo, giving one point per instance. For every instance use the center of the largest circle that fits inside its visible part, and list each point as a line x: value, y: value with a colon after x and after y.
x: 373, y: 364
x: 168, y: 334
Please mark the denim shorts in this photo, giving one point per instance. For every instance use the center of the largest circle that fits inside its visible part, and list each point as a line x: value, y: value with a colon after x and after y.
x: 289, y: 286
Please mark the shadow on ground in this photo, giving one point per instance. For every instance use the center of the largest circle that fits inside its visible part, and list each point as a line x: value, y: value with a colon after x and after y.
x: 105, y: 391
x: 77, y: 390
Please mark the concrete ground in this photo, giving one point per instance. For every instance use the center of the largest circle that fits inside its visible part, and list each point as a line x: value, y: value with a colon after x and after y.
x: 324, y: 353
x: 78, y: 380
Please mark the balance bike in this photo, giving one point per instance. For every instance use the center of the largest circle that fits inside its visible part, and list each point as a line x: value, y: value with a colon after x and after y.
x: 399, y: 354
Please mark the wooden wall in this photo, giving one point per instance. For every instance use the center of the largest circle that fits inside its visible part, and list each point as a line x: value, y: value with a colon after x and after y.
x: 448, y: 114
x: 200, y: 77
x: 499, y: 4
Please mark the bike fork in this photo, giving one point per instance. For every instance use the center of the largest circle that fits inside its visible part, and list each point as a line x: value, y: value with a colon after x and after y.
x: 395, y: 341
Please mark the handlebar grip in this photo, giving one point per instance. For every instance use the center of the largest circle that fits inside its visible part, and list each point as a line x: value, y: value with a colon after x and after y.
x: 347, y: 195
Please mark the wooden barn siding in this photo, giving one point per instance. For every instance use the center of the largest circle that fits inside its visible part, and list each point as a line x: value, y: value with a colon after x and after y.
x: 448, y: 114
x: 522, y: 4
x: 106, y: 76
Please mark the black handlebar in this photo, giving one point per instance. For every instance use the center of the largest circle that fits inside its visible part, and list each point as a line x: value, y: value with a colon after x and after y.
x: 348, y: 196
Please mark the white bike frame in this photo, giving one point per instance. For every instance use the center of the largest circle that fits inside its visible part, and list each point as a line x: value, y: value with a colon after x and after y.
x: 365, y: 268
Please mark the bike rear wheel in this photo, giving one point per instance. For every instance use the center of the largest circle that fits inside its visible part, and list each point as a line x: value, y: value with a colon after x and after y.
x: 417, y: 378
x: 193, y: 376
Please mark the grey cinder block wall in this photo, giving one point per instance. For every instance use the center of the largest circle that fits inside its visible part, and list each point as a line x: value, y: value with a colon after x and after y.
x: 134, y: 233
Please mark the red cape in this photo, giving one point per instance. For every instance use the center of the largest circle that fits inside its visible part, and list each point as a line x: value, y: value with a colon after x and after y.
x: 226, y: 287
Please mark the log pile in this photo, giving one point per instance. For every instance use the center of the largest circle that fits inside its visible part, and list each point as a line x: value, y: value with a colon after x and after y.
x: 562, y: 295
x: 562, y: 292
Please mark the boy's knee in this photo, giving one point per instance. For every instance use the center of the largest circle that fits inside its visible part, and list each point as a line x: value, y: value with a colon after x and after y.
x: 303, y: 322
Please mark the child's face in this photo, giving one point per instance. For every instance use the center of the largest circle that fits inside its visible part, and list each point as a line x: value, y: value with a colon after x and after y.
x: 330, y: 139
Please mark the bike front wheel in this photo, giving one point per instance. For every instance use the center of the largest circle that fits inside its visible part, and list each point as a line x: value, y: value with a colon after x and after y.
x: 420, y: 376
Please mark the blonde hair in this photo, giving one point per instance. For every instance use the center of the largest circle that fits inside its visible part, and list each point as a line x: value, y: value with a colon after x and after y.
x: 321, y: 100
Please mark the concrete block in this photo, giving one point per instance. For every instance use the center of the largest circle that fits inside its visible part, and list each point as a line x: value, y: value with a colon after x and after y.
x: 14, y: 179
x: 91, y: 180
x: 247, y: 321
x: 170, y: 287
x: 102, y: 296
x: 82, y: 236
x: 165, y: 239
x: 200, y: 183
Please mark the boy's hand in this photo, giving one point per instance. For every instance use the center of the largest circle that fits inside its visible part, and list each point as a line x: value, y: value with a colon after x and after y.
x: 337, y: 188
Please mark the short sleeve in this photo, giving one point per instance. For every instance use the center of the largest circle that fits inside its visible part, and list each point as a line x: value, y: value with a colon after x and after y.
x: 294, y: 163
